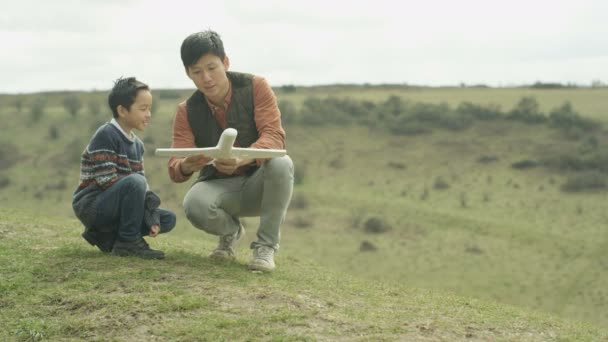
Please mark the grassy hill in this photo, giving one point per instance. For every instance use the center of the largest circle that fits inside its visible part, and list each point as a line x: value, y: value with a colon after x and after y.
x: 443, y: 211
x: 55, y: 287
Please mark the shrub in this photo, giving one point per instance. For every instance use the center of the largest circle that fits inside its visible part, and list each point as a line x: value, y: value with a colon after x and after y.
x: 524, y: 164
x: 288, y: 111
x: 72, y: 104
x: 37, y: 108
x: 396, y: 165
x: 587, y: 181
x: 302, y: 222
x: 440, y: 184
x: 298, y: 202
x: 367, y: 246
x: 565, y: 117
x: 527, y: 110
x: 479, y: 112
x: 376, y: 225
x: 4, y: 181
x: 485, y: 159
x: 53, y: 132
x: 299, y: 173
x: 94, y: 107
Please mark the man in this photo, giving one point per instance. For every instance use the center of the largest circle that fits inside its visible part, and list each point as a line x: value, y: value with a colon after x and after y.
x: 227, y: 189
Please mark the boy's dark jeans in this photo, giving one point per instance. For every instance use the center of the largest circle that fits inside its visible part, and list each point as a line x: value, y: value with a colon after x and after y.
x: 122, y: 206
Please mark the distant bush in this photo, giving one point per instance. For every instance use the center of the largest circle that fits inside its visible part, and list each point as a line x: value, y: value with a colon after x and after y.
x: 393, y: 106
x: 544, y: 85
x: 565, y: 117
x: 587, y: 181
x: 4, y: 181
x: 299, y: 173
x: 302, y: 222
x: 396, y: 165
x: 406, y: 126
x: 289, y: 88
x: 18, y: 103
x: 169, y: 94
x: 37, y: 108
x: 597, y: 160
x: 440, y: 184
x: 455, y: 122
x: 72, y: 104
x: 53, y: 132
x: 94, y: 107
x: 479, y: 112
x: 524, y: 164
x: 376, y: 225
x: 288, y: 111
x: 367, y: 246
x: 485, y: 159
x: 299, y: 202
x: 337, y: 163
x: 527, y: 110
x: 9, y: 155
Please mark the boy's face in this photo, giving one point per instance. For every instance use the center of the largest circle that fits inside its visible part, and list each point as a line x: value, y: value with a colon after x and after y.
x: 209, y: 76
x: 138, y: 116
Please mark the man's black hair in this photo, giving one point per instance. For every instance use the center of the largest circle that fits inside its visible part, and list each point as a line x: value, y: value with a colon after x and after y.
x: 199, y: 44
x: 124, y: 92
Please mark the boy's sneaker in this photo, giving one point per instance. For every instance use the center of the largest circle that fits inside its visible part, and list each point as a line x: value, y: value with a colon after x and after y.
x: 263, y: 259
x: 139, y: 248
x: 225, y: 248
x: 104, y: 241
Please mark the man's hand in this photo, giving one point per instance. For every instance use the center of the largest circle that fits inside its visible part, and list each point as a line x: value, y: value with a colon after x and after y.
x: 154, y: 230
x: 229, y: 166
x: 192, y: 164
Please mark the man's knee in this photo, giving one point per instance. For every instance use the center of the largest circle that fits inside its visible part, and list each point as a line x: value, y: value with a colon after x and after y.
x: 279, y: 167
x: 199, y: 213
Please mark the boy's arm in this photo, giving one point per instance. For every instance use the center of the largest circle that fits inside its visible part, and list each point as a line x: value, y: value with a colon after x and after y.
x: 102, y: 161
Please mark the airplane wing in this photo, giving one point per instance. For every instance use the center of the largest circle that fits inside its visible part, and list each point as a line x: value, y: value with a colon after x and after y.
x: 210, y: 152
x: 214, y: 152
x: 256, y: 153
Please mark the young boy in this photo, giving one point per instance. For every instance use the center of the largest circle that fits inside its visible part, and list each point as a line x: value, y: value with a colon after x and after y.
x: 113, y: 200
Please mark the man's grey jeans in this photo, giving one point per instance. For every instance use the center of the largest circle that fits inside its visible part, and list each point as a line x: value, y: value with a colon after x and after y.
x: 216, y: 205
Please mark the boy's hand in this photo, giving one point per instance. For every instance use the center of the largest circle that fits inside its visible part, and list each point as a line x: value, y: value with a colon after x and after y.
x: 154, y: 230
x: 229, y: 166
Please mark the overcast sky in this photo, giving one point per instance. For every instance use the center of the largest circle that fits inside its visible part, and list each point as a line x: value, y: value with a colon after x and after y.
x: 85, y: 45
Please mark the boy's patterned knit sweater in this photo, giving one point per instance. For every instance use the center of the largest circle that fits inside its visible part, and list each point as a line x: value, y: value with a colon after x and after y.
x: 108, y: 157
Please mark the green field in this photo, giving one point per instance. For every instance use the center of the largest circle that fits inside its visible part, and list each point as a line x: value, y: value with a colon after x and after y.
x: 56, y: 288
x: 450, y: 223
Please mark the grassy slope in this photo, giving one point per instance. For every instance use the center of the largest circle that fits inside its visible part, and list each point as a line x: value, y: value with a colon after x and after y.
x: 518, y: 239
x: 54, y: 286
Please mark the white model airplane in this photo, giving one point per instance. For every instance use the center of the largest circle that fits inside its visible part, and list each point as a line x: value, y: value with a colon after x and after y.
x: 223, y: 150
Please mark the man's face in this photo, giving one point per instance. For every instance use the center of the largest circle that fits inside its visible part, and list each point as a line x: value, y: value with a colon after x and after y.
x: 209, y: 76
x: 138, y: 116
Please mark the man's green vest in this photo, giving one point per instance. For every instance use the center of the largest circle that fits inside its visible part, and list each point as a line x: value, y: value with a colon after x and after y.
x: 239, y: 116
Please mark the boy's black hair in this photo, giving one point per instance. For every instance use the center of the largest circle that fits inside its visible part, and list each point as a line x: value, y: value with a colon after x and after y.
x: 199, y: 44
x: 124, y: 92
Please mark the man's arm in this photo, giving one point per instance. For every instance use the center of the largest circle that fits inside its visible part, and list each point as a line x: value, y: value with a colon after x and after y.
x: 181, y: 169
x: 267, y: 117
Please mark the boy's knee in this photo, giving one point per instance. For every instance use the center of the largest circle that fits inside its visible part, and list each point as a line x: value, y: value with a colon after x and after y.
x: 137, y: 182
x: 171, y: 221
x: 278, y: 167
